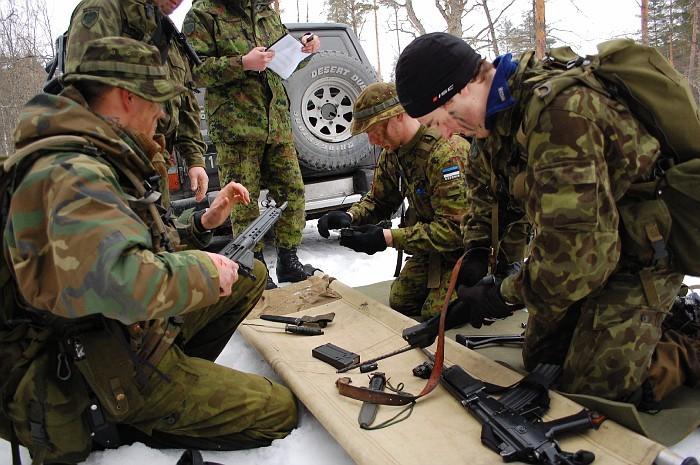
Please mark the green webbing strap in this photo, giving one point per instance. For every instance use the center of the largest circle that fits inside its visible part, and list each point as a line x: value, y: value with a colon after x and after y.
x: 375, y: 109
x: 37, y: 419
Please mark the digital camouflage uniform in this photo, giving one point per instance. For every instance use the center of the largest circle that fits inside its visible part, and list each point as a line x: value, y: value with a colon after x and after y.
x: 78, y: 226
x: 248, y: 111
x: 140, y: 19
x: 428, y: 172
x: 594, y: 306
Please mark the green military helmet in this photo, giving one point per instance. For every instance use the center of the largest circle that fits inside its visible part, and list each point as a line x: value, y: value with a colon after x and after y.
x: 128, y: 64
x: 378, y: 102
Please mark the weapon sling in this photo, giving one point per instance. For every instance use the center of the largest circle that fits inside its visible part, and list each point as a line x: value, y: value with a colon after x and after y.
x: 385, y: 398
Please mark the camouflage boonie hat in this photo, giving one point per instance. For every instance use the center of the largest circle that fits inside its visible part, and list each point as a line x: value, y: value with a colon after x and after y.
x: 128, y: 64
x: 378, y: 102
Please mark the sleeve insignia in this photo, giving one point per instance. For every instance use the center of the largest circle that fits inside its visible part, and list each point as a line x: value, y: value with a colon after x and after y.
x: 450, y: 173
x: 90, y: 17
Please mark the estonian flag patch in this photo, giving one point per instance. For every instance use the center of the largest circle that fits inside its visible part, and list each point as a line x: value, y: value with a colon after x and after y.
x: 450, y: 173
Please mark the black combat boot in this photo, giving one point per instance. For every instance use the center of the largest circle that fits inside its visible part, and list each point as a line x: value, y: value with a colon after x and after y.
x: 289, y: 268
x: 270, y: 283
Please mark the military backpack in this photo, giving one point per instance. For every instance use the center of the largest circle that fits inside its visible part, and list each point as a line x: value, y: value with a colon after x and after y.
x: 662, y: 217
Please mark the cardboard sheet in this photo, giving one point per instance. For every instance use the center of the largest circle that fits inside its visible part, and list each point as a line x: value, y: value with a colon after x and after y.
x: 440, y: 430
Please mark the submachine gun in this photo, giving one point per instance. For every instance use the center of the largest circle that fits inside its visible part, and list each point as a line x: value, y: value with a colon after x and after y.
x: 240, y: 250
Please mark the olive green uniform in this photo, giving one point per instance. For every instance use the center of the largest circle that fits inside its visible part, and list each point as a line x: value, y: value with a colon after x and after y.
x: 428, y: 172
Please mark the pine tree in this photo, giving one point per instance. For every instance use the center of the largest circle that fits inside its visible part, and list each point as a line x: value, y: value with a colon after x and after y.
x: 352, y: 12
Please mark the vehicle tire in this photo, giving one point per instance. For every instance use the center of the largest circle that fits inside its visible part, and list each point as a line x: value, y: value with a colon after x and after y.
x: 321, y: 97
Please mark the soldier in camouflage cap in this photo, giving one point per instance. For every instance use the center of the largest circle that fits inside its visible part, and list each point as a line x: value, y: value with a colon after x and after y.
x: 419, y: 164
x: 146, y: 309
x: 378, y: 102
x: 148, y: 21
x: 596, y: 294
x: 128, y: 64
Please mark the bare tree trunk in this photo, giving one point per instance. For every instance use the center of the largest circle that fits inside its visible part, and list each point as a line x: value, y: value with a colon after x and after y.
x: 413, y: 18
x: 307, y: 11
x: 540, y: 34
x: 376, y: 37
x: 452, y: 11
x: 396, y: 25
x: 492, y: 30
x: 694, y: 40
x: 298, y: 12
x: 645, y: 22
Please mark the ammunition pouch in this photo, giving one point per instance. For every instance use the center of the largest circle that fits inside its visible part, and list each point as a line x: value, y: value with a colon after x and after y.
x: 110, y: 368
x: 47, y: 412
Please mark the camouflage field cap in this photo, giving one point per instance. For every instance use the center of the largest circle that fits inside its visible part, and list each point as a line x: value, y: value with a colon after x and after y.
x: 128, y: 64
x: 378, y: 102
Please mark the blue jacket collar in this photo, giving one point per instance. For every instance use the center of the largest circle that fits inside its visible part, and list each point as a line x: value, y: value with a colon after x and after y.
x: 500, y: 98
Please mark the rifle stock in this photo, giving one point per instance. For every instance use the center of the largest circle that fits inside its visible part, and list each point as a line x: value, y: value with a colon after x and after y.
x: 240, y: 249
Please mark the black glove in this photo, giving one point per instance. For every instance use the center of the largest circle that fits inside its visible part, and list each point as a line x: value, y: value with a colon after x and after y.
x: 483, y: 302
x: 475, y: 265
x: 333, y: 220
x: 368, y: 238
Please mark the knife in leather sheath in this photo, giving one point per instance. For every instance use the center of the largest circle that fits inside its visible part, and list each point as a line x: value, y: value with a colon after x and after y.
x: 368, y: 412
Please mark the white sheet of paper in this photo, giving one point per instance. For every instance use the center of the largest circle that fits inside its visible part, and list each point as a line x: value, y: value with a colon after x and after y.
x: 288, y: 54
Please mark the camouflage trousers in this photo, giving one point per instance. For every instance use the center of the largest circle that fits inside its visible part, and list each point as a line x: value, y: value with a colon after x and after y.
x: 272, y: 166
x: 420, y: 289
x: 194, y: 402
x: 606, y: 341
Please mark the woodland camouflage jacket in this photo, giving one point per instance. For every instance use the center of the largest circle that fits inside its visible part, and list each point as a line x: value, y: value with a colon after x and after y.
x: 584, y: 153
x: 77, y: 241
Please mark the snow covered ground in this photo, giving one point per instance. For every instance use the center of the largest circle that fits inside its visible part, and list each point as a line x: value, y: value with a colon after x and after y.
x: 309, y: 444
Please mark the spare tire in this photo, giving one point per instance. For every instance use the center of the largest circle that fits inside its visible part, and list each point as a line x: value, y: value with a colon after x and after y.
x: 321, y: 97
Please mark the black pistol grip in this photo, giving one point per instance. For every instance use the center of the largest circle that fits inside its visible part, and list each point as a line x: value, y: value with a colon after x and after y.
x: 303, y: 330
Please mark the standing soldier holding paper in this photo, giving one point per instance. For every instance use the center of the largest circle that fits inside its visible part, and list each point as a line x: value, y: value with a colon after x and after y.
x: 248, y: 112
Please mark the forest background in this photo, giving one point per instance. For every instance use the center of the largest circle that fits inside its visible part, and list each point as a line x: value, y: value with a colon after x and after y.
x: 28, y: 29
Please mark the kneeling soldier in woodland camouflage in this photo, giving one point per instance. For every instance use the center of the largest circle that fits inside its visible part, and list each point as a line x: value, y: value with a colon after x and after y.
x: 419, y: 164
x: 108, y: 326
x: 596, y: 294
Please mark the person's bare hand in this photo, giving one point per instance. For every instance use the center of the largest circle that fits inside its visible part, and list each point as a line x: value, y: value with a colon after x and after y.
x: 257, y: 59
x: 228, y: 272
x: 233, y: 193
x: 311, y: 43
x: 199, y: 182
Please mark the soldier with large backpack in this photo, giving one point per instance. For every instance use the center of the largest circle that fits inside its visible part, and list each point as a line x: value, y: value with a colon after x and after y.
x: 109, y: 328
x: 588, y: 148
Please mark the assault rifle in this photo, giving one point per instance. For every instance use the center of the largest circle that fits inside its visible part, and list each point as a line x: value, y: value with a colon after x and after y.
x: 514, y: 433
x: 240, y: 250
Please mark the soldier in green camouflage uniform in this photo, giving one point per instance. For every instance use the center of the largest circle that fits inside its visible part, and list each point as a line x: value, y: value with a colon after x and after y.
x: 81, y: 223
x: 595, y: 305
x: 144, y: 20
x: 417, y: 163
x: 248, y: 113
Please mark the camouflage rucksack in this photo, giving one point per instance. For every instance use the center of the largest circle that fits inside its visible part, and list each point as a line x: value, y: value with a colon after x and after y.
x: 662, y: 215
